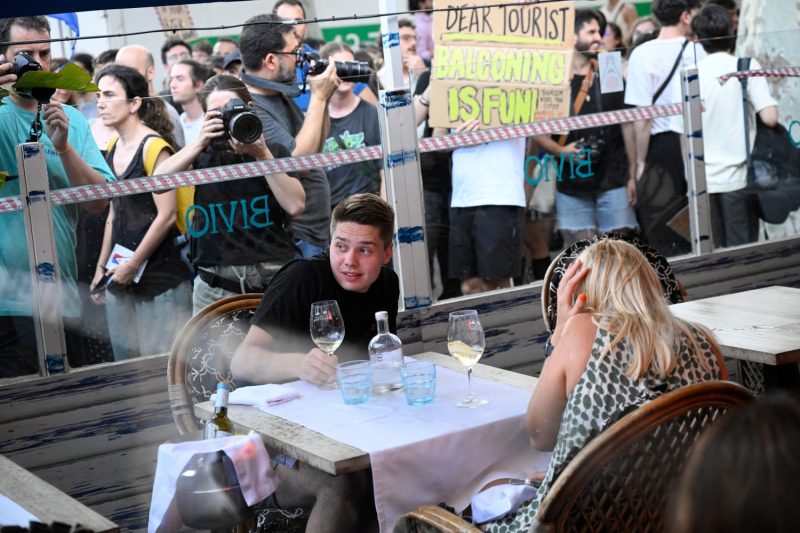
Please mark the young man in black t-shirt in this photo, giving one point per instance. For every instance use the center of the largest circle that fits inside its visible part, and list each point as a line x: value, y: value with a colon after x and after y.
x: 278, y: 346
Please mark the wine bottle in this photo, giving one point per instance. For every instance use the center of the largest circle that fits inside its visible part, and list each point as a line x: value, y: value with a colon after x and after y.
x: 220, y: 426
x: 386, y: 355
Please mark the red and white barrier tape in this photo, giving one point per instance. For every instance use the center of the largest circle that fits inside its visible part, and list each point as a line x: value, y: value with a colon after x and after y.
x: 784, y: 72
x: 343, y: 157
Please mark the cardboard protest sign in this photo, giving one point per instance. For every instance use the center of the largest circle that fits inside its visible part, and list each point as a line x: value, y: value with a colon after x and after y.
x: 505, y: 65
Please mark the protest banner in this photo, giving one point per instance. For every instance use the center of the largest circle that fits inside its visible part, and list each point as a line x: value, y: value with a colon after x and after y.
x: 504, y: 65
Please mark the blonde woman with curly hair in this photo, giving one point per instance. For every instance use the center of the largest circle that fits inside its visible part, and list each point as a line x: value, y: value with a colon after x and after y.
x: 617, y: 345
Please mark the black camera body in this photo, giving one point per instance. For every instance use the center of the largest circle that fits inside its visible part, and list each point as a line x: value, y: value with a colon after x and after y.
x: 23, y: 63
x: 240, y: 123
x: 594, y: 144
x: 354, y: 71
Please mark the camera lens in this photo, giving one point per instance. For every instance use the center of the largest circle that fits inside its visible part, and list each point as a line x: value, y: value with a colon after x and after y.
x: 355, y: 71
x: 246, y: 127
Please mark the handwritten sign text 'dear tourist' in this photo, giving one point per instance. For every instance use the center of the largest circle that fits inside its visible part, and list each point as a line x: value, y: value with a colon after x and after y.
x: 504, y: 65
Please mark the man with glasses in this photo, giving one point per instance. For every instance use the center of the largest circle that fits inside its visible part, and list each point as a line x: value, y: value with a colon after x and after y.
x: 413, y: 65
x: 270, y: 52
x: 294, y: 10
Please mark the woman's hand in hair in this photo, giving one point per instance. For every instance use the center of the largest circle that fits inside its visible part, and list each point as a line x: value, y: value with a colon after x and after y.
x: 567, y: 304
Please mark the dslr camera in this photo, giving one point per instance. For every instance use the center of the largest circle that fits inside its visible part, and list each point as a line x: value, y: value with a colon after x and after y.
x: 354, y: 71
x: 23, y: 63
x: 240, y: 123
x: 594, y: 144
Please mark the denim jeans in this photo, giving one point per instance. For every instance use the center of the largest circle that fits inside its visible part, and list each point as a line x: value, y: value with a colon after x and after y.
x: 147, y: 327
x: 307, y: 249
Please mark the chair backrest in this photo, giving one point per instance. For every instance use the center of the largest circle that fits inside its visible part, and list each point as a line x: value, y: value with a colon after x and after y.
x: 202, y: 352
x: 622, y: 479
x: 673, y: 291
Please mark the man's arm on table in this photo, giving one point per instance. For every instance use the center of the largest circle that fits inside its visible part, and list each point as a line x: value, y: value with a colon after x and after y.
x: 254, y: 361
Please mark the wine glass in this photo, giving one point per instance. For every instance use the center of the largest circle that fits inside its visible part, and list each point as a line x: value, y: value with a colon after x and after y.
x: 465, y: 342
x: 327, y: 329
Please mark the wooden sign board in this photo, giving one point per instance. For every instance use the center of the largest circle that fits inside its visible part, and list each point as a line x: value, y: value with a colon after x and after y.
x: 176, y: 17
x: 504, y: 65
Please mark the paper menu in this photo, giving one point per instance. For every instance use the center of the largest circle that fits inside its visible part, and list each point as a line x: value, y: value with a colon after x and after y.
x: 120, y: 255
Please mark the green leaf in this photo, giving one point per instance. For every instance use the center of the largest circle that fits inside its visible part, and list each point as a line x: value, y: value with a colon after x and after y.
x: 70, y: 77
x: 3, y: 176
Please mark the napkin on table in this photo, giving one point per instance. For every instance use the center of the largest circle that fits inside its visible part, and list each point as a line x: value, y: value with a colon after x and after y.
x: 498, y: 501
x: 261, y: 395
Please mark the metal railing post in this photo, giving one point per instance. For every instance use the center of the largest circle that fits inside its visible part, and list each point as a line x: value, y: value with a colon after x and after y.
x: 401, y: 170
x: 699, y: 211
x: 43, y: 259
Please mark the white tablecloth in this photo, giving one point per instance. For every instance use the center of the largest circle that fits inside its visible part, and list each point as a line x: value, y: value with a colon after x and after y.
x: 428, y: 454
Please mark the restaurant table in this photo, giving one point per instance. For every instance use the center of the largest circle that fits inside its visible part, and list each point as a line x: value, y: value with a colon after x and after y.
x: 757, y: 327
x: 25, y: 497
x: 510, y: 394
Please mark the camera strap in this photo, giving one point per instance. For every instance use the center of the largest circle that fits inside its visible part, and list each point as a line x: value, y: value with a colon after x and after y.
x: 580, y: 98
x: 291, y: 91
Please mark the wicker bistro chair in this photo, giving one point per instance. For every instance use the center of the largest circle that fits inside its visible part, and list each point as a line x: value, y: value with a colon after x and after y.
x: 200, y: 359
x: 202, y: 352
x: 622, y: 479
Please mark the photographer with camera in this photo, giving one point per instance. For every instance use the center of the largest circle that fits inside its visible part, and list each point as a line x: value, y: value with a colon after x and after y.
x: 72, y: 159
x: 270, y: 54
x: 239, y: 238
x: 595, y: 192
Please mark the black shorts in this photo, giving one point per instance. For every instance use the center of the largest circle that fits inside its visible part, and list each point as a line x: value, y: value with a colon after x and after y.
x: 485, y: 241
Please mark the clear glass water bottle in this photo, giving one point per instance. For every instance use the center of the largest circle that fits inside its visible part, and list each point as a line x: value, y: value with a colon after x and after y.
x: 386, y: 355
x: 220, y: 426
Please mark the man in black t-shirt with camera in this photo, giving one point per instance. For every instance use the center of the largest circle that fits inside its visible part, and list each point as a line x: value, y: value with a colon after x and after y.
x: 238, y: 229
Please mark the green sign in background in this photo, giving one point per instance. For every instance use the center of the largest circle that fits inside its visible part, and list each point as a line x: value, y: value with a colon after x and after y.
x: 353, y: 35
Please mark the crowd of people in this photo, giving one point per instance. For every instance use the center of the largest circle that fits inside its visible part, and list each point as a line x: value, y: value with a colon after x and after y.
x: 490, y: 212
x: 327, y: 234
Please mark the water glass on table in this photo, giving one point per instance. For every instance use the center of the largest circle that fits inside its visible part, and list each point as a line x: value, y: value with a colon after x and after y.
x: 419, y: 382
x: 355, y: 381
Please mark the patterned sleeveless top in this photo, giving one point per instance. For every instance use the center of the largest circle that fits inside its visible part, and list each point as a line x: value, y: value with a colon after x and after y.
x: 601, y: 396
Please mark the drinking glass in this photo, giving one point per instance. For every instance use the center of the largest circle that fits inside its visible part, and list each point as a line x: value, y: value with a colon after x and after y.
x: 355, y: 381
x: 327, y: 329
x: 465, y: 342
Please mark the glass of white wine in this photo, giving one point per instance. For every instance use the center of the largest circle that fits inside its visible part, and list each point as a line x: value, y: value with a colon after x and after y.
x: 327, y: 329
x: 465, y: 342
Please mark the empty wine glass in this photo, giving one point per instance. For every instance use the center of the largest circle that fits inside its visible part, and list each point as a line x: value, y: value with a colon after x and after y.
x: 466, y: 343
x: 327, y: 328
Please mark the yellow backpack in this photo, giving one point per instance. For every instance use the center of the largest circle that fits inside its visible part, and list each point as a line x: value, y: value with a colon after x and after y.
x: 185, y: 194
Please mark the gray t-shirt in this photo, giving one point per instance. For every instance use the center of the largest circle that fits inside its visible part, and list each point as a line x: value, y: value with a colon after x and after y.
x: 282, y: 120
x: 356, y: 130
